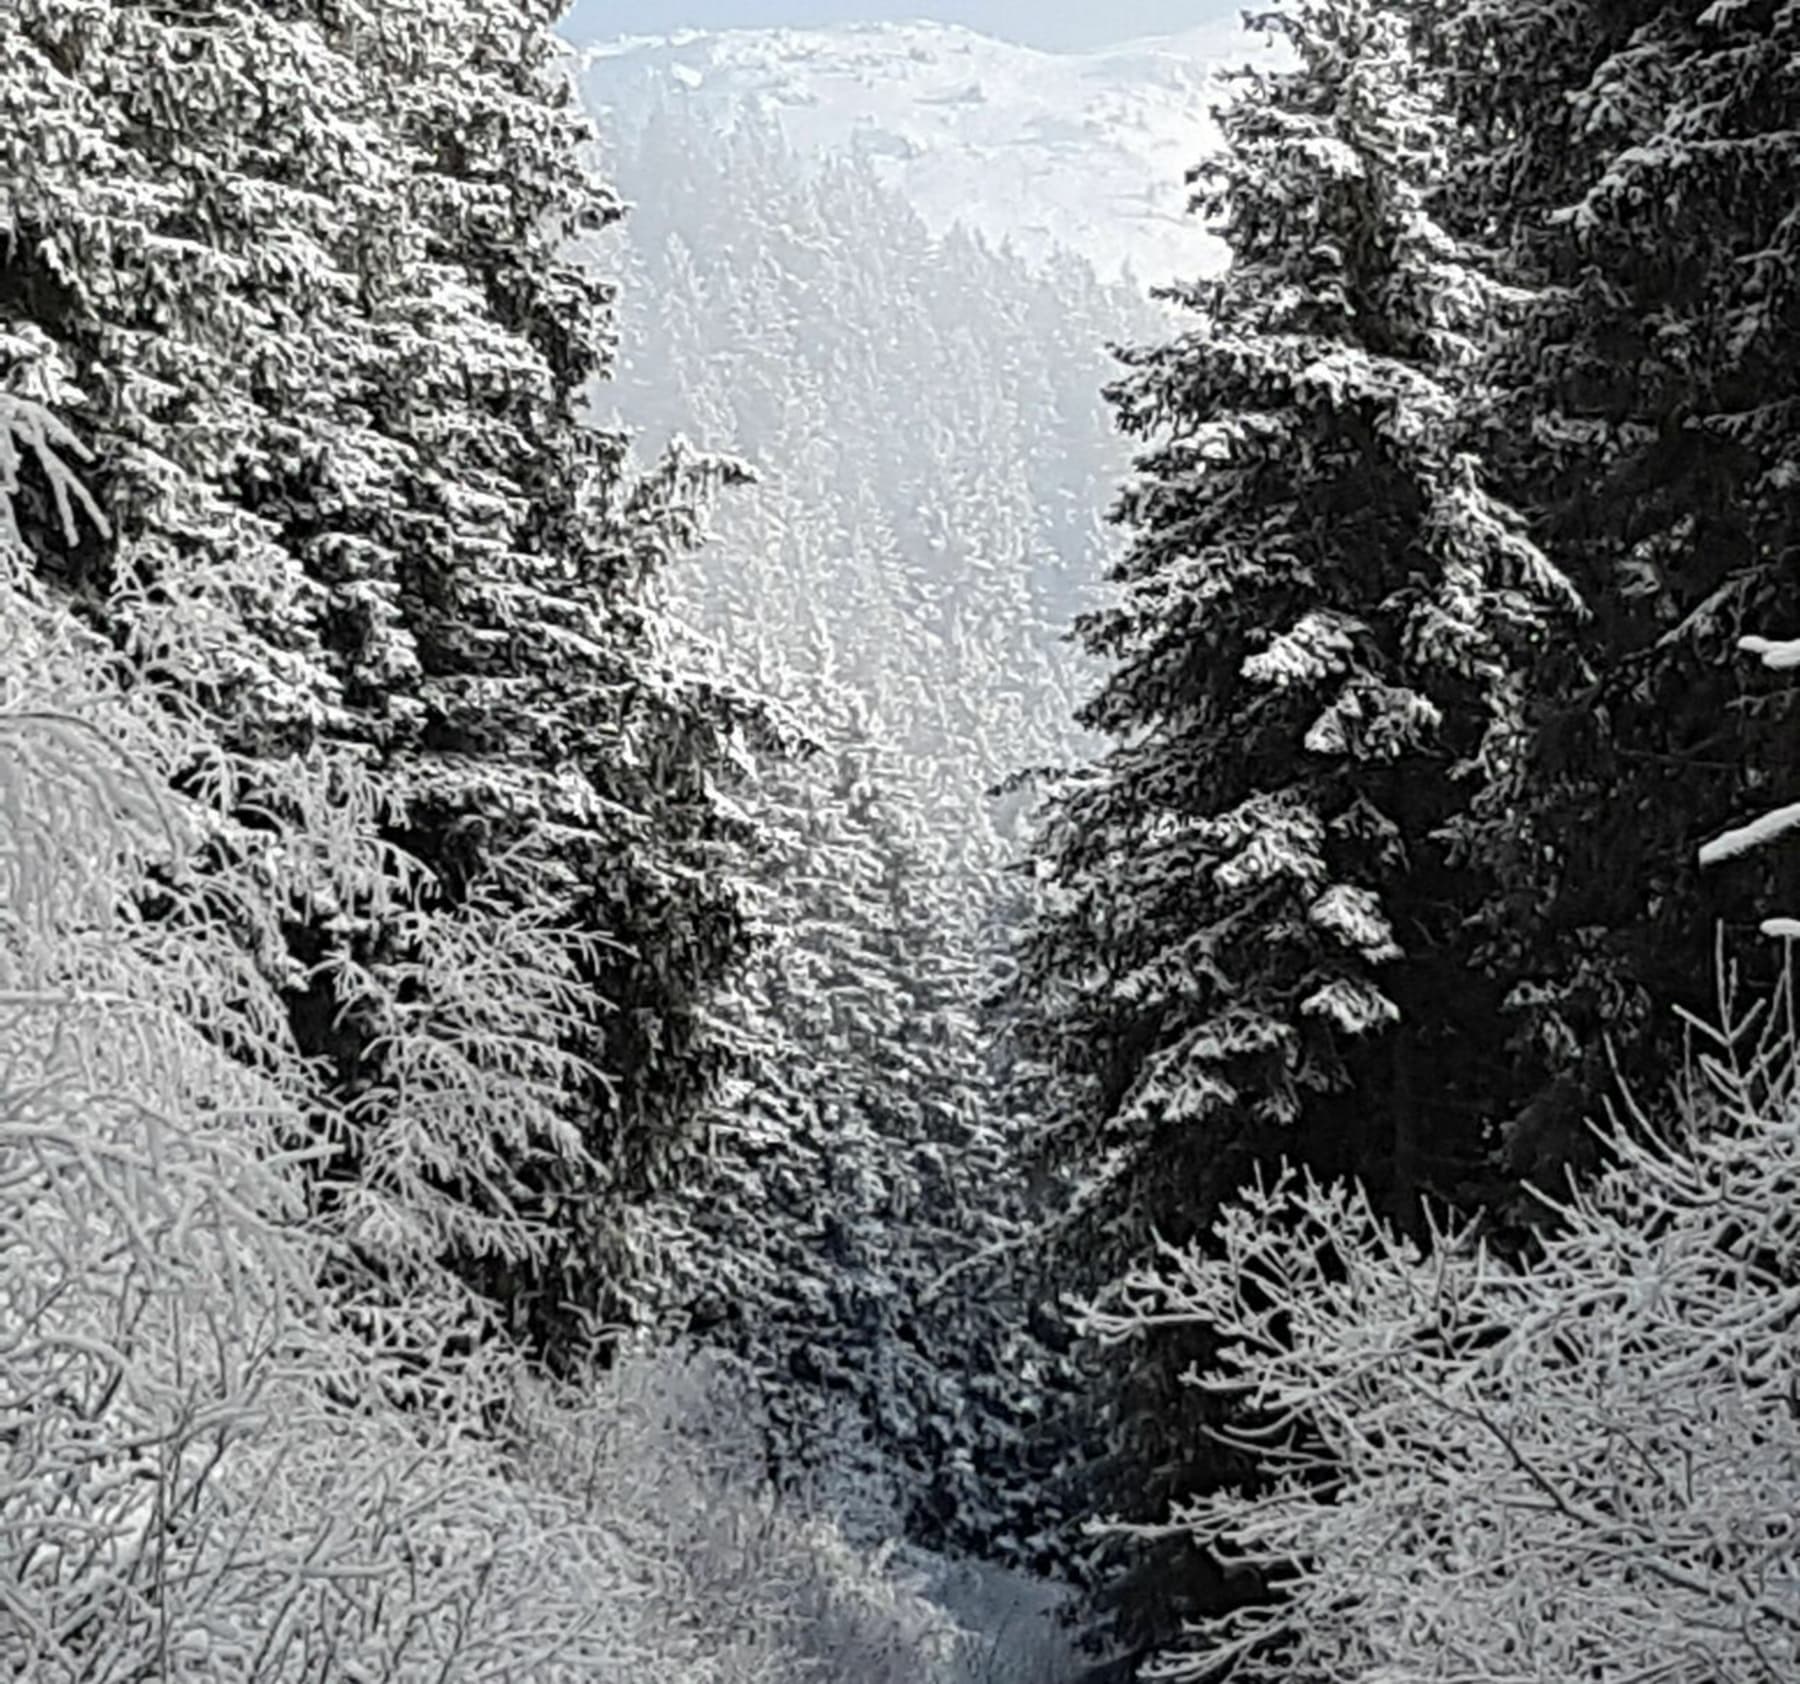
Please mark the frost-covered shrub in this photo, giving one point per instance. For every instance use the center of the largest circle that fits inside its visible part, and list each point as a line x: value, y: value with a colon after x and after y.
x: 1017, y: 1625
x: 667, y: 1453
x: 740, y: 1583
x: 1586, y: 1466
x: 210, y: 1467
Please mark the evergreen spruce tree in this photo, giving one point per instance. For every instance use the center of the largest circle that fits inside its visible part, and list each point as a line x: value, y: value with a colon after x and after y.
x: 1320, y: 648
x: 1639, y: 166
x: 307, y: 266
x: 855, y: 1170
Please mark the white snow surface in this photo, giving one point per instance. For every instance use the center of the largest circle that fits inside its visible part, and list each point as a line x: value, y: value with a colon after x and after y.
x: 1088, y: 152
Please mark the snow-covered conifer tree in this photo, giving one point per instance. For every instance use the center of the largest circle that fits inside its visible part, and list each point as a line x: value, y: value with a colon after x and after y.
x: 923, y: 417
x: 855, y: 1159
x: 308, y: 270
x: 1319, y: 648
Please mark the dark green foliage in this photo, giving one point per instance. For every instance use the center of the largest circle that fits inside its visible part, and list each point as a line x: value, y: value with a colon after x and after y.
x: 1254, y: 942
x: 1639, y: 165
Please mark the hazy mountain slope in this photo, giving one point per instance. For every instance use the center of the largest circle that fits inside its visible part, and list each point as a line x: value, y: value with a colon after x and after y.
x: 925, y: 419
x: 1085, y: 151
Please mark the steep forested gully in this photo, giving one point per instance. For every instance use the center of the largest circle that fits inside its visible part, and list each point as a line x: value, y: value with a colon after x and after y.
x: 744, y: 942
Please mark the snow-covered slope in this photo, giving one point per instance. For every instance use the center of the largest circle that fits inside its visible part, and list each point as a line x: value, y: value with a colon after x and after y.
x: 1083, y: 151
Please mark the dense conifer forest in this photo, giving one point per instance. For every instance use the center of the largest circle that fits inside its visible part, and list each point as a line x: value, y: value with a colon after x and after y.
x: 744, y: 945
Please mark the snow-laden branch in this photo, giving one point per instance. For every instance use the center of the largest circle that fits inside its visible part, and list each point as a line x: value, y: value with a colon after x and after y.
x: 31, y: 432
x: 1778, y: 655
x: 1758, y: 833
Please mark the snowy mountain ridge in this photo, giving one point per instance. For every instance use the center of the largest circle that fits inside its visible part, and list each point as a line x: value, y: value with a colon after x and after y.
x: 1085, y: 151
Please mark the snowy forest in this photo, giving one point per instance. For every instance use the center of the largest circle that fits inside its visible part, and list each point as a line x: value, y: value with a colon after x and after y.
x: 742, y: 942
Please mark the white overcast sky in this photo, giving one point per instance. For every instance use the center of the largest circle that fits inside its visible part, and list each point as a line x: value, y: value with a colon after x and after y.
x: 1059, y: 24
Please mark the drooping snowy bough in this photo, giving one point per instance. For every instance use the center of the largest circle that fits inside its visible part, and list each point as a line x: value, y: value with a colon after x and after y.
x: 1776, y: 822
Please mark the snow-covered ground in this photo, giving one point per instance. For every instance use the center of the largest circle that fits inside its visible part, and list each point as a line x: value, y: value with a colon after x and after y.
x: 1086, y: 151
